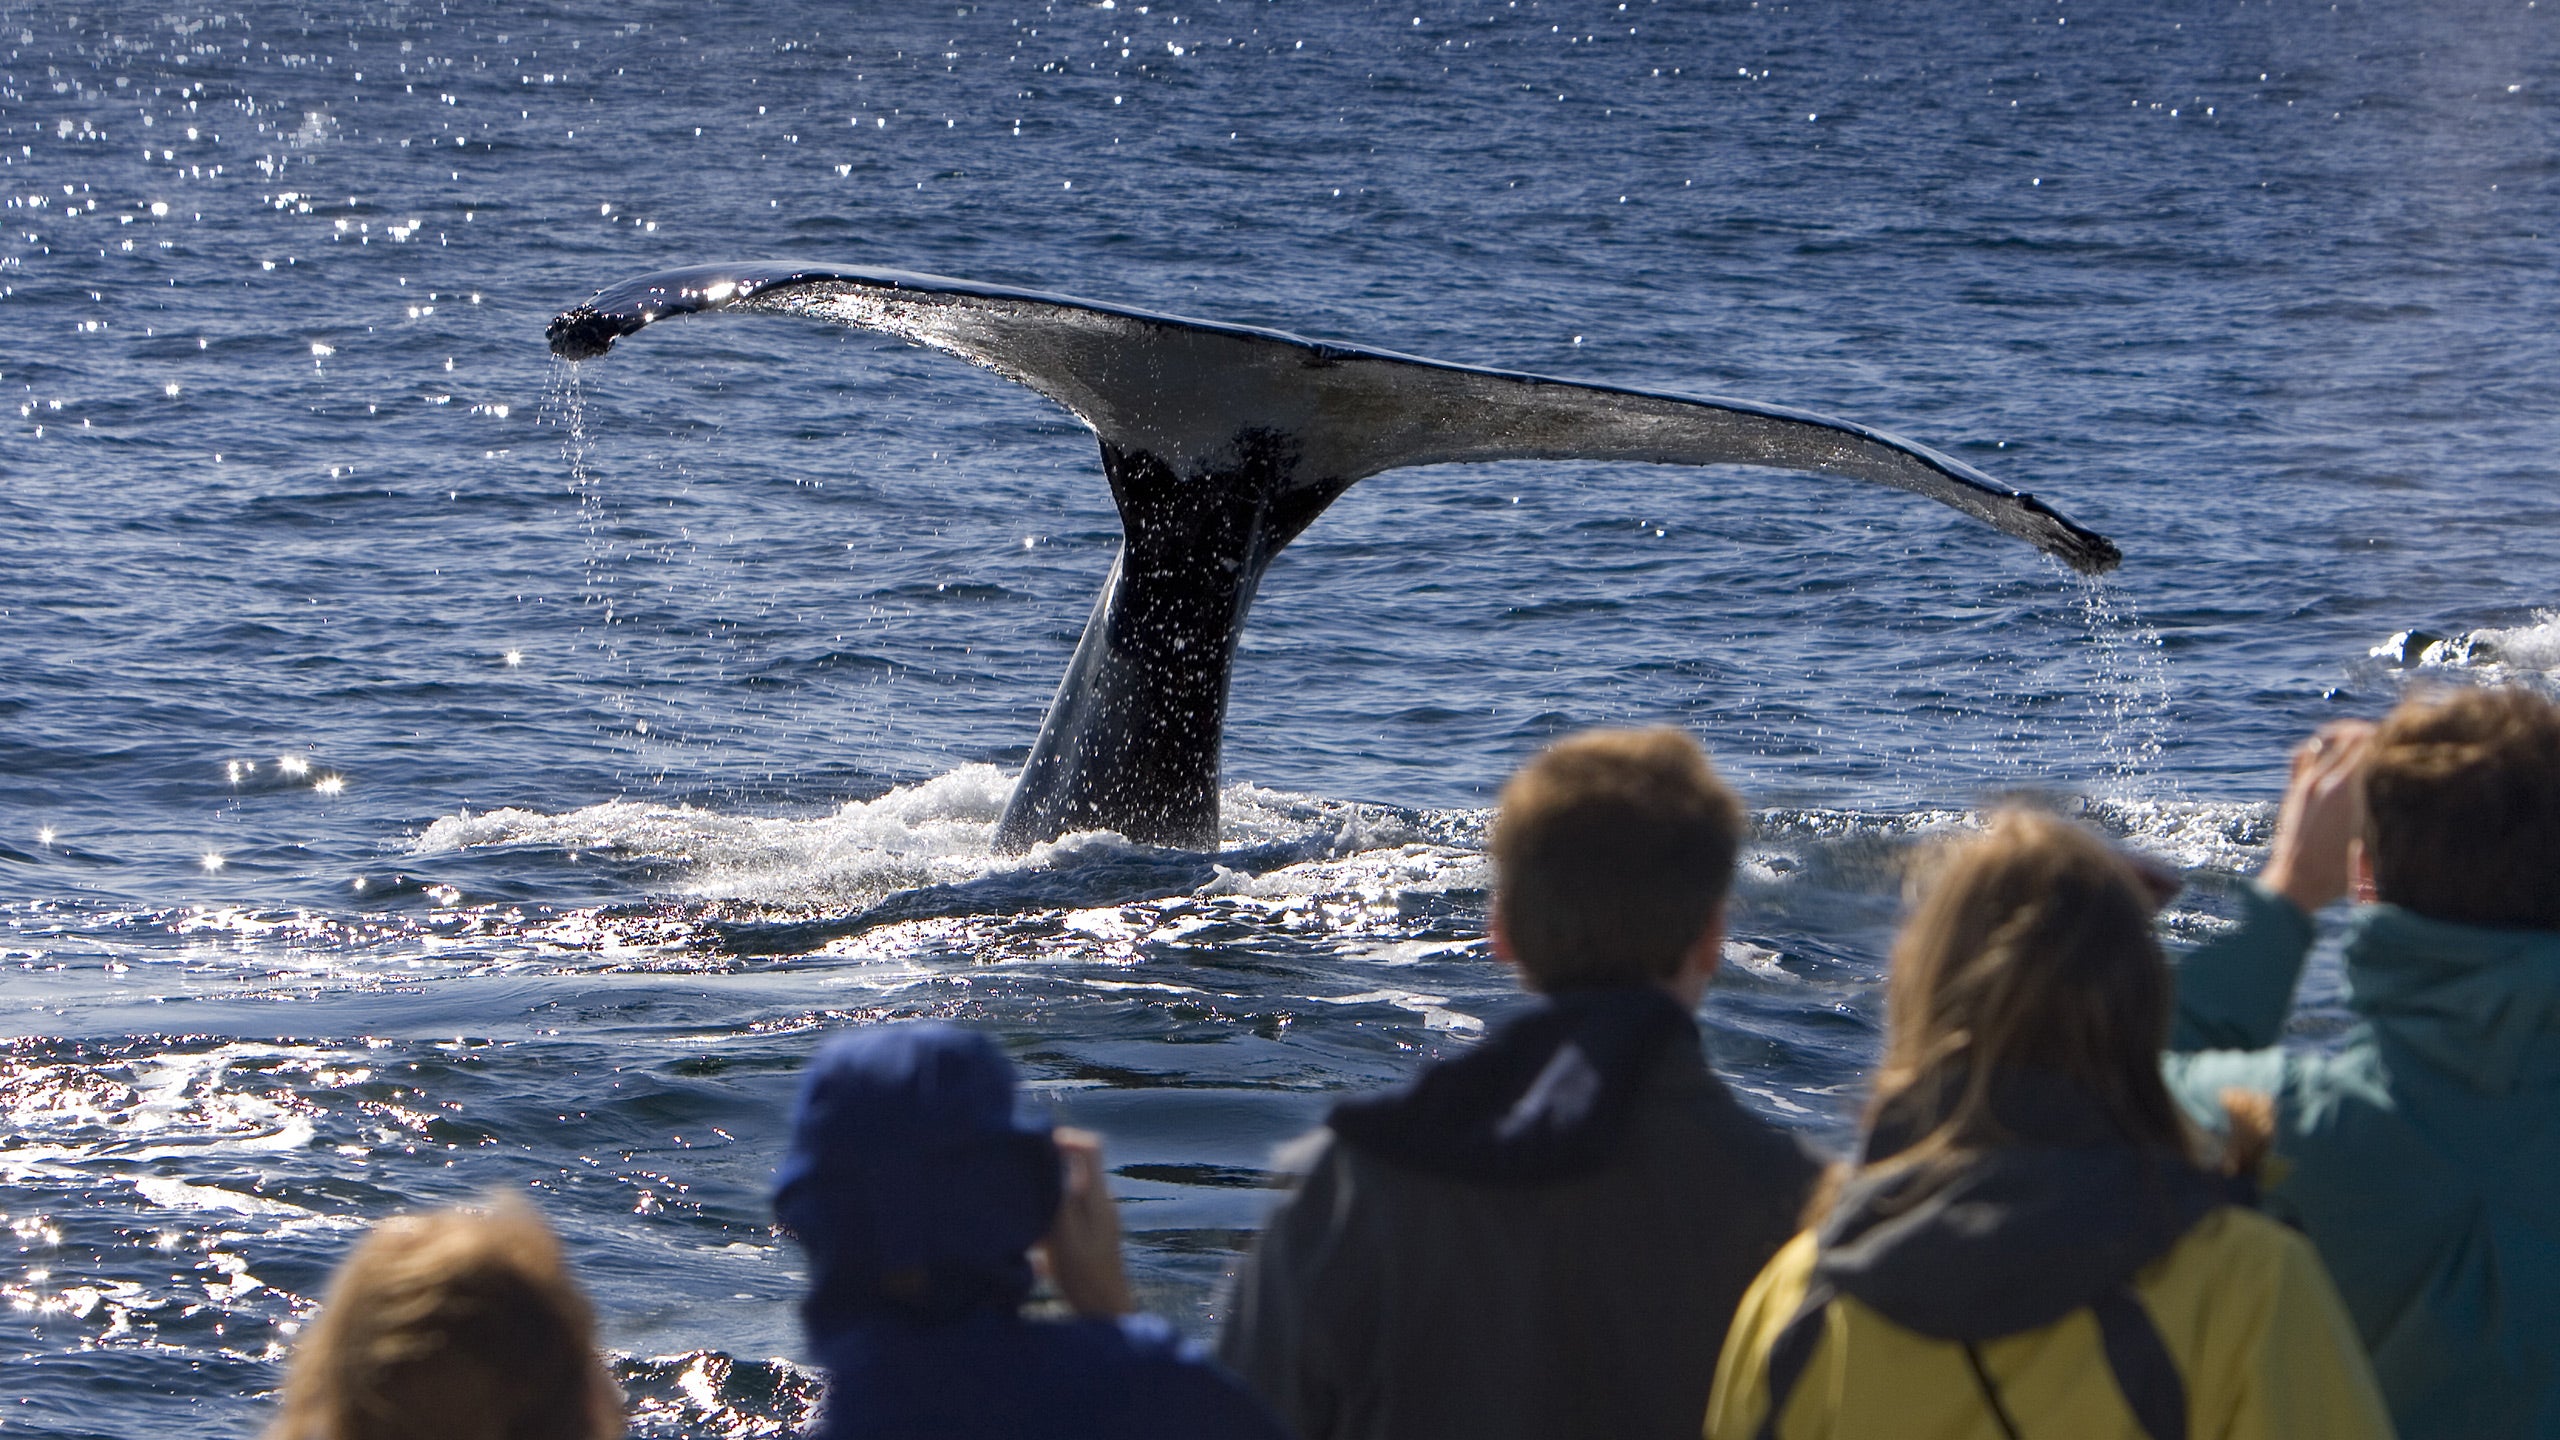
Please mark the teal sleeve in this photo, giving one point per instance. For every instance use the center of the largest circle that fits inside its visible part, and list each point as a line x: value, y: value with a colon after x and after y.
x: 2197, y: 1080
x: 2235, y: 990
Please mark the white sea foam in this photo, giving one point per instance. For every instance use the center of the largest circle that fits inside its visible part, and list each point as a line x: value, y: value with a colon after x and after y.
x: 1759, y: 961
x: 941, y: 831
x: 169, y: 1193
x: 1434, y: 1009
x: 2526, y: 647
x: 1364, y: 865
x: 2228, y: 835
x: 2528, y: 652
x: 937, y: 832
x: 1377, y: 876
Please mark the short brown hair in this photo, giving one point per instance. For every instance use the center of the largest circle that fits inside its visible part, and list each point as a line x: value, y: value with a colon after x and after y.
x: 1612, y: 851
x: 452, y: 1326
x: 2463, y: 791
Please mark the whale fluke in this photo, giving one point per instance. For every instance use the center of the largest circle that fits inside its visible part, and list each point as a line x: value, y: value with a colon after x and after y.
x: 1222, y: 443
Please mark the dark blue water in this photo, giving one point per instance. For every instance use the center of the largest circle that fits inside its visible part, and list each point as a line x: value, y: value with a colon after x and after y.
x: 425, y: 769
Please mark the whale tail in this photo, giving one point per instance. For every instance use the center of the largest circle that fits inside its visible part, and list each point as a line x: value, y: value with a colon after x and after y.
x: 1221, y: 444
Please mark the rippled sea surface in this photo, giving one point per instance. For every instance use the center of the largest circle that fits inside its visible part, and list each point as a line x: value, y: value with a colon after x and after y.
x: 426, y: 769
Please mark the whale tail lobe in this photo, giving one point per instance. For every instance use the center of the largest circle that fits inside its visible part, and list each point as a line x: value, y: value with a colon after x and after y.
x: 1221, y: 444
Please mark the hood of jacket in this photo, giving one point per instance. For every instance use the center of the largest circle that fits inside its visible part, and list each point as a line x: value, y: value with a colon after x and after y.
x: 2482, y: 1003
x: 910, y: 1181
x: 2016, y: 1237
x: 1544, y: 1098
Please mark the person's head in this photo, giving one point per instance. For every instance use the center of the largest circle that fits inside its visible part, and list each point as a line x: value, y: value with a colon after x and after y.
x: 2029, y: 950
x: 911, y: 1182
x: 459, y: 1325
x: 2462, y: 795
x: 1612, y: 855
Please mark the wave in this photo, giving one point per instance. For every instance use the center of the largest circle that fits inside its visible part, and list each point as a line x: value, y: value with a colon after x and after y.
x: 2218, y: 835
x: 936, y: 833
x: 926, y: 851
x: 705, y: 1392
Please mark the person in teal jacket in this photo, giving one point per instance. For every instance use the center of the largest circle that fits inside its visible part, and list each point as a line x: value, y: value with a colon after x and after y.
x: 2421, y: 1154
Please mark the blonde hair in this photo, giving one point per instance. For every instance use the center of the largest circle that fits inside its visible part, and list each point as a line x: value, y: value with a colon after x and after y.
x: 2030, y: 949
x: 1612, y: 851
x: 452, y: 1326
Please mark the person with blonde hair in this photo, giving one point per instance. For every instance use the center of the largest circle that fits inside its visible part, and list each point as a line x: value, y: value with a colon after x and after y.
x: 1543, y: 1236
x: 2421, y: 1154
x: 458, y: 1325
x: 2031, y: 1243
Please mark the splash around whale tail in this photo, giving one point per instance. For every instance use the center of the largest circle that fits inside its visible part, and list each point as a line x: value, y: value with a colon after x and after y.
x: 1223, y: 442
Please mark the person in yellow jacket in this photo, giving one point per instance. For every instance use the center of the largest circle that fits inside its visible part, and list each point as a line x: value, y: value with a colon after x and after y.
x: 2029, y: 1245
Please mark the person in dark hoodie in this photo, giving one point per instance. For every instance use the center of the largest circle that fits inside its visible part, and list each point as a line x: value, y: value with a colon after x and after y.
x: 1544, y: 1237
x: 2030, y: 1244
x: 920, y: 1197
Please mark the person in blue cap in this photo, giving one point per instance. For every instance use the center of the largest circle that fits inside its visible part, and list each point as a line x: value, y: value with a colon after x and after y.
x: 921, y: 1197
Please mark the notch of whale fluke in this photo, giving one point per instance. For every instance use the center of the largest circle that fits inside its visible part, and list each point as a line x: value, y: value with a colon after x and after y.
x: 1222, y: 443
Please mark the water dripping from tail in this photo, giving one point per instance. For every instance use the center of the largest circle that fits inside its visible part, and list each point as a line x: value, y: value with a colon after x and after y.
x: 564, y: 407
x: 2128, y: 696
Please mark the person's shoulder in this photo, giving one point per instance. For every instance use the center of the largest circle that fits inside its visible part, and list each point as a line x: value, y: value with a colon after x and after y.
x: 1294, y: 1160
x: 1180, y: 1387
x: 2237, y: 1250
x: 1149, y: 1337
x: 2224, y: 1274
x: 1317, y: 1172
x: 1717, y: 1116
x: 1792, y: 1267
x: 2232, y: 1235
x: 1776, y: 1293
x: 1142, y: 1342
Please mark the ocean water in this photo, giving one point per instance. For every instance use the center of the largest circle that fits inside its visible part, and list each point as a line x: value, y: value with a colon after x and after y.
x: 427, y: 767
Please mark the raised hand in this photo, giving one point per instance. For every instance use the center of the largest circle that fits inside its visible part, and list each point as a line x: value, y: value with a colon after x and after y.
x: 1082, y: 1249
x: 2323, y: 816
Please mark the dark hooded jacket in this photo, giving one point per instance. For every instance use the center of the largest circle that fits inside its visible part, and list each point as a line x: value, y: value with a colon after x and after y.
x: 916, y: 1193
x: 1540, y: 1239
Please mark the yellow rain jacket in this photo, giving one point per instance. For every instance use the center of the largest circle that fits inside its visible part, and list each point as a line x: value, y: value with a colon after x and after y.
x: 2247, y: 1313
x: 2066, y: 1285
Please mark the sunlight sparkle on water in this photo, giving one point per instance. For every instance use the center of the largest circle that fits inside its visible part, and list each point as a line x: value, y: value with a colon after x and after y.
x: 212, y: 862
x: 514, y: 658
x: 293, y: 766
x: 330, y: 784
